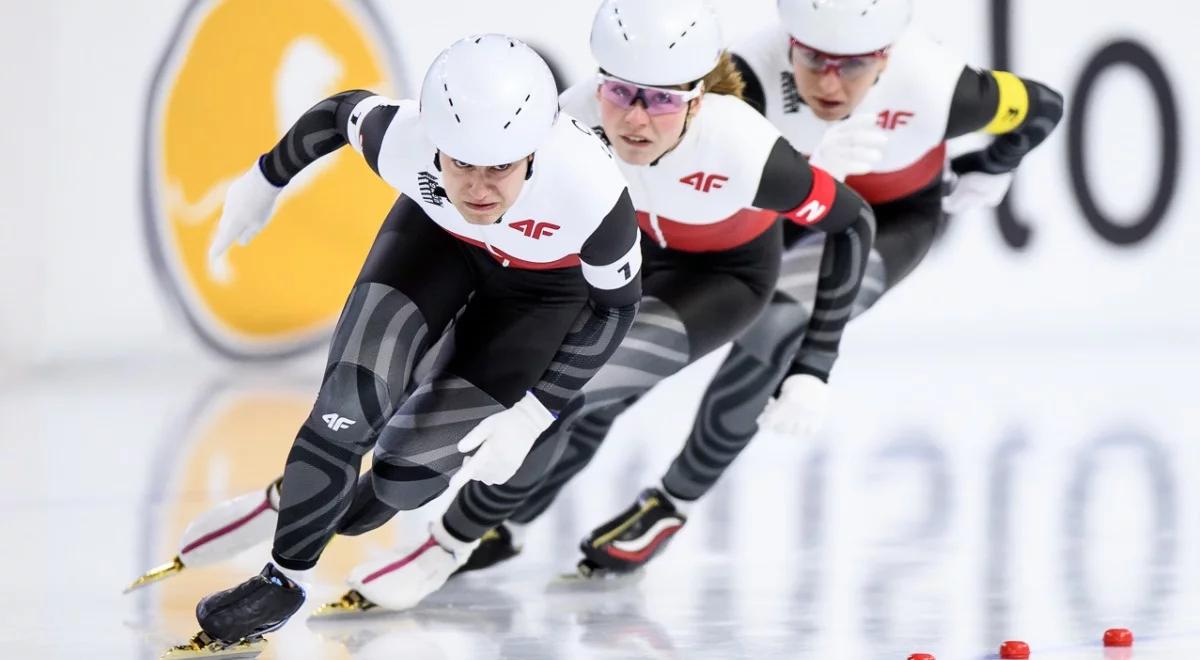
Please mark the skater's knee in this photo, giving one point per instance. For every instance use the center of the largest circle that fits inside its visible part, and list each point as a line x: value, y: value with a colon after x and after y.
x: 350, y: 407
x: 779, y: 330
x: 383, y: 333
x: 407, y: 486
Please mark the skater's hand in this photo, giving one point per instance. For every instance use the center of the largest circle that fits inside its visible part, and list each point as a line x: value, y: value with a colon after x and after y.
x: 853, y: 146
x: 976, y: 190
x: 800, y: 408
x: 248, y: 206
x: 503, y: 441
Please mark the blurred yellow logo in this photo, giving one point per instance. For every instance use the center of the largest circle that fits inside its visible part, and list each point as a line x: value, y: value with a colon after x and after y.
x: 236, y: 75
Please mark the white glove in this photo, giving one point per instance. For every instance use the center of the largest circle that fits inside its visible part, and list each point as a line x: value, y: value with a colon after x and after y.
x: 853, y: 146
x: 503, y: 440
x: 800, y: 408
x: 248, y: 206
x: 976, y: 190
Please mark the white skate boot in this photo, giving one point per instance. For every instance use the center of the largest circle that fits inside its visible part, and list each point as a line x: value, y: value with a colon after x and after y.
x: 400, y: 580
x: 221, y: 533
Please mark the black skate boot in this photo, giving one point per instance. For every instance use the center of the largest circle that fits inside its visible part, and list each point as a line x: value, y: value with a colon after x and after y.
x: 233, y: 621
x: 496, y: 546
x: 630, y: 540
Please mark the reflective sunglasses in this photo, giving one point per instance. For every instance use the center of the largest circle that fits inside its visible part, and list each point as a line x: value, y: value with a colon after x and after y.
x: 847, y: 67
x: 657, y: 100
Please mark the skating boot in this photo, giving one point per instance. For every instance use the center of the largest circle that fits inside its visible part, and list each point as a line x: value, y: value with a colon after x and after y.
x: 399, y: 580
x: 630, y: 540
x: 221, y: 533
x: 233, y: 621
x: 497, y: 545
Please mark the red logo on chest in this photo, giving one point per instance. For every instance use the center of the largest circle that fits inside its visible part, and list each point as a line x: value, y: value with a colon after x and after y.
x: 889, y: 120
x: 704, y: 182
x: 535, y: 230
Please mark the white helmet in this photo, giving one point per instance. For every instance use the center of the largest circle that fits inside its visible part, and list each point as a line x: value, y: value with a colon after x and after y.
x: 657, y: 42
x: 845, y: 27
x: 488, y: 100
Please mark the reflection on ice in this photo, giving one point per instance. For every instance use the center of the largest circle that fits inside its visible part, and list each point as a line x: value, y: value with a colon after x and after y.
x: 954, y: 501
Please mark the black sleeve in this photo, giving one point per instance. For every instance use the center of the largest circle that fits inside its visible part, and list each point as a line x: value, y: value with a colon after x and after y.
x: 609, y: 247
x: 786, y: 178
x: 907, y: 228
x: 791, y: 186
x: 788, y: 185
x: 609, y: 312
x: 319, y: 131
x: 975, y: 103
x: 976, y: 97
x: 753, y: 94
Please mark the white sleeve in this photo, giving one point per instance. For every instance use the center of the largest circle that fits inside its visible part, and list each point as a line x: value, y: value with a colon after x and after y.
x: 358, y: 116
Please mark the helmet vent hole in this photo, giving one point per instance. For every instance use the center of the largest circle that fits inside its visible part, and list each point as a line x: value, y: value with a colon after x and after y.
x: 617, y: 14
x: 519, y: 109
x: 682, y: 35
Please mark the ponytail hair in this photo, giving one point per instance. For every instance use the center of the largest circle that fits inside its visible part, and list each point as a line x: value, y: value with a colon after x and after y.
x: 725, y: 78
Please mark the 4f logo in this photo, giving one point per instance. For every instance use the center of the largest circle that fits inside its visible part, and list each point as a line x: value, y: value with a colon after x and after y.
x: 431, y: 192
x: 889, y: 120
x: 337, y: 422
x: 704, y: 182
x: 535, y: 230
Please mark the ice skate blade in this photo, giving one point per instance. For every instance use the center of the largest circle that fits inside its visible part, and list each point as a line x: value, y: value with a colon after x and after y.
x: 202, y: 646
x: 156, y: 574
x: 351, y: 605
x: 589, y: 577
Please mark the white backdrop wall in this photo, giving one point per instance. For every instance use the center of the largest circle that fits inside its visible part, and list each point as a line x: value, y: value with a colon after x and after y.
x: 79, y: 283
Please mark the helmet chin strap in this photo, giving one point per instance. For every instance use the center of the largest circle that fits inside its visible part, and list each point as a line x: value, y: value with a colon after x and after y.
x: 687, y: 122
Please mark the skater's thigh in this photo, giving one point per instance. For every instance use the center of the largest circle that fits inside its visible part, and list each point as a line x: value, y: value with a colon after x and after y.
x: 511, y: 329
x: 413, y: 282
x: 713, y: 307
x: 906, y: 231
x: 414, y: 256
x: 503, y: 343
x: 718, y: 295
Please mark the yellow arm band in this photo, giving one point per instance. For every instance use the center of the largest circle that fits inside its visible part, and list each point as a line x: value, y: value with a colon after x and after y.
x: 1013, y: 105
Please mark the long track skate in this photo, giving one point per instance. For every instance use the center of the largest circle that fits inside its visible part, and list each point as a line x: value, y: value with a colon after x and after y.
x: 351, y: 605
x: 590, y: 576
x: 203, y: 646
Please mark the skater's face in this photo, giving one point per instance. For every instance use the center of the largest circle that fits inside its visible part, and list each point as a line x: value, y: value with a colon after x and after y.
x: 482, y: 194
x: 834, y: 85
x: 643, y: 123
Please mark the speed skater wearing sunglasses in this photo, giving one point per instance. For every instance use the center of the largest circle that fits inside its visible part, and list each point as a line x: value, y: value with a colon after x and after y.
x: 846, y: 67
x: 656, y: 100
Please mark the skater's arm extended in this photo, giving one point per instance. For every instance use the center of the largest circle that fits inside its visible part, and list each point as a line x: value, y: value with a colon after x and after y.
x: 811, y: 197
x: 357, y: 117
x: 1020, y: 113
x: 612, y: 262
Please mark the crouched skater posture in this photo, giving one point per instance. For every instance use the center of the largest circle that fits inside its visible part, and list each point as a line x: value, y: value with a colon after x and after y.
x: 871, y: 99
x: 713, y: 183
x: 515, y: 223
